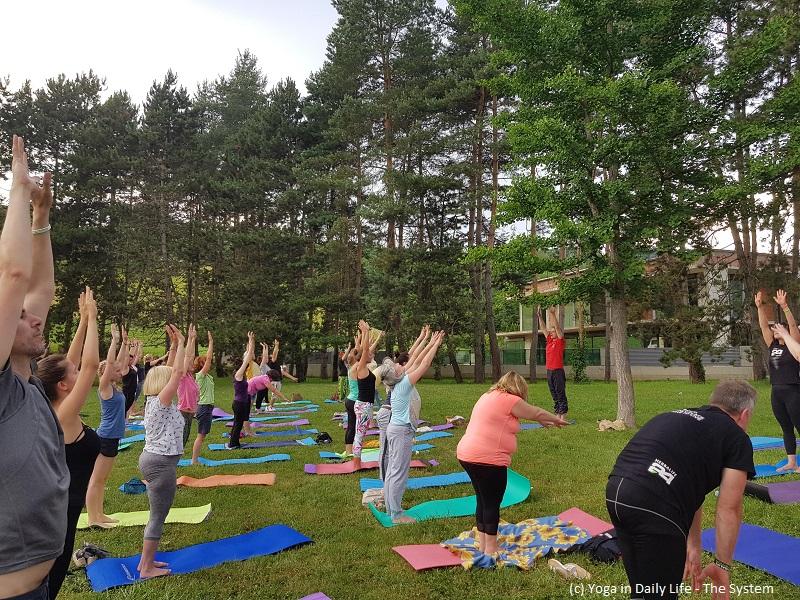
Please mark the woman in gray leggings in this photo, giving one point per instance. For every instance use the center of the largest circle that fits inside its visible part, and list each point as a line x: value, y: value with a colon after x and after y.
x: 163, y: 447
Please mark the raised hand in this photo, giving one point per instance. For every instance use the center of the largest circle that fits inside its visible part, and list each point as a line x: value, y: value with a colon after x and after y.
x: 780, y: 298
x: 20, y: 175
x: 42, y: 196
x: 192, y: 332
x: 210, y: 337
x: 780, y: 331
x: 82, y: 305
x: 89, y: 304
x: 759, y: 298
x: 170, y: 331
x: 177, y: 335
x: 114, y: 333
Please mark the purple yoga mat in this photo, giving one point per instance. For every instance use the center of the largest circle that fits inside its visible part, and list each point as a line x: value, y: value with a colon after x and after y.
x: 218, y: 413
x: 317, y: 596
x: 784, y: 493
x: 259, y: 424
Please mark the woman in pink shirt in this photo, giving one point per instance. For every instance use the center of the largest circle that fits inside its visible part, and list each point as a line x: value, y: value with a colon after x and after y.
x: 188, y: 390
x: 490, y: 440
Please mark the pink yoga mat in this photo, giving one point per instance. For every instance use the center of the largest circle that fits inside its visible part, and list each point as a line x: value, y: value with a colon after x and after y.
x: 585, y: 521
x: 348, y: 467
x: 259, y: 424
x: 428, y: 556
x: 316, y: 596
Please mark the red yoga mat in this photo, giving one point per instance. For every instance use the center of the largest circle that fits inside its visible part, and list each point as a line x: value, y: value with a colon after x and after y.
x: 585, y: 521
x: 349, y: 467
x: 428, y: 556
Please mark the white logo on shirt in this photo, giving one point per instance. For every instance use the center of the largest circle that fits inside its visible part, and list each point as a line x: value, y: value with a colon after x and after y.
x: 776, y: 352
x: 662, y: 470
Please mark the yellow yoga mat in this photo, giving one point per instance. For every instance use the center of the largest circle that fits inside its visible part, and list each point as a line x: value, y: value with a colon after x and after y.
x: 220, y: 480
x: 191, y: 514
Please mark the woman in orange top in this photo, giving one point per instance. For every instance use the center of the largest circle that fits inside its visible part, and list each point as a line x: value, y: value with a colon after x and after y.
x: 490, y: 440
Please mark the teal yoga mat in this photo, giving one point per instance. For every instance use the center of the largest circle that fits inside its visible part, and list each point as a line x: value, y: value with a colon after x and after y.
x: 186, y: 462
x: 417, y: 483
x: 517, y: 490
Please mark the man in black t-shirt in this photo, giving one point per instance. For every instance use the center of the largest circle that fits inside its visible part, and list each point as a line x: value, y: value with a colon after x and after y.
x: 656, y: 490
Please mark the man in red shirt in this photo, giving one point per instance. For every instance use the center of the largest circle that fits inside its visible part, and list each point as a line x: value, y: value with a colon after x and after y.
x: 554, y: 358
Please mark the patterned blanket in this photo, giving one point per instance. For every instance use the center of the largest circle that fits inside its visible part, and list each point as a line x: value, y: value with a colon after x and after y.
x: 519, y: 544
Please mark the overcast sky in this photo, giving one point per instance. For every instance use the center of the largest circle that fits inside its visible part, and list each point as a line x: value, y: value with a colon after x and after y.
x: 132, y: 44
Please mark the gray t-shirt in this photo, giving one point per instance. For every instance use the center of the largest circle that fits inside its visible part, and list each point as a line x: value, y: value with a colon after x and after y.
x: 34, y: 480
x: 163, y: 428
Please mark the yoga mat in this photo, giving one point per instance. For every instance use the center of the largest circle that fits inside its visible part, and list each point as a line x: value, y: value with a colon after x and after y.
x: 261, y: 419
x: 218, y: 413
x: 294, y: 403
x: 432, y: 435
x: 772, y: 470
x: 207, y: 462
x: 113, y: 572
x: 308, y: 441
x: 441, y: 427
x: 139, y: 437
x: 766, y: 443
x: 428, y: 556
x: 787, y: 492
x: 135, y: 427
x: 517, y: 490
x: 589, y: 523
x: 329, y: 401
x: 254, y: 446
x: 417, y: 483
x: 317, y: 596
x: 295, y: 423
x: 224, y: 480
x: 372, y: 455
x: 764, y: 549
x: 192, y: 514
x: 287, y: 433
x: 347, y: 467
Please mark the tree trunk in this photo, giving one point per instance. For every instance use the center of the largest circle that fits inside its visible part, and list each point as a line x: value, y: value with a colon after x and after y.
x: 323, y: 368
x: 697, y: 372
x: 451, y: 356
x: 619, y: 348
x: 335, y: 365
x: 795, y: 191
x: 487, y: 265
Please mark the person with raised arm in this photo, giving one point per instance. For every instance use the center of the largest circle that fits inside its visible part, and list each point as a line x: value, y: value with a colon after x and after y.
x: 264, y: 368
x: 784, y: 375
x: 241, y: 397
x: 111, y: 428
x: 188, y: 391
x: 486, y: 448
x: 280, y: 371
x: 34, y: 478
x: 402, y: 427
x: 163, y: 447
x: 205, y: 406
x: 130, y: 381
x: 555, y: 345
x: 390, y: 372
x: 365, y: 381
x: 67, y: 381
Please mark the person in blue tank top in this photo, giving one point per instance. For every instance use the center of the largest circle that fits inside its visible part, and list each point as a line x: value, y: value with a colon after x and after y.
x: 112, y: 426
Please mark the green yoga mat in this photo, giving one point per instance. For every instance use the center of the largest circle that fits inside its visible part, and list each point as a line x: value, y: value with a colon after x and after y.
x: 192, y: 514
x: 517, y: 490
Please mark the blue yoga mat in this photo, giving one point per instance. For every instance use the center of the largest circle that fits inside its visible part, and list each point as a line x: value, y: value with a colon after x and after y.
x: 186, y: 462
x: 307, y: 441
x: 764, y: 549
x: 107, y: 573
x: 131, y: 439
x: 432, y: 435
x: 284, y: 433
x: 766, y: 443
x: 134, y: 427
x: 417, y: 483
x: 772, y: 470
x: 261, y: 419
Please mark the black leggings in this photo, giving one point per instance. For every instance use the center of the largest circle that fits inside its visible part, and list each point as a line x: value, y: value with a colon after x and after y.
x: 350, y: 432
x: 653, y: 543
x: 489, y: 482
x: 786, y: 408
x: 59, y: 569
x: 241, y: 413
x: 260, y: 397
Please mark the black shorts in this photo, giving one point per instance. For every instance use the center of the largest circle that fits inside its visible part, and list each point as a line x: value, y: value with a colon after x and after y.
x: 204, y: 417
x: 109, y: 447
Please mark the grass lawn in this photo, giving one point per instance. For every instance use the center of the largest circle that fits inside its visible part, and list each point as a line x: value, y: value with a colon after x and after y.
x: 352, y: 558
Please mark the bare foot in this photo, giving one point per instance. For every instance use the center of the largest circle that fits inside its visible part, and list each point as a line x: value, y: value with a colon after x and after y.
x: 153, y: 572
x: 107, y: 519
x: 787, y: 467
x: 403, y: 520
x: 158, y: 563
x: 102, y: 524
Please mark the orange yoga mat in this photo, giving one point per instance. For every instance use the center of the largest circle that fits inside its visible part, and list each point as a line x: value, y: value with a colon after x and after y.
x: 220, y: 480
